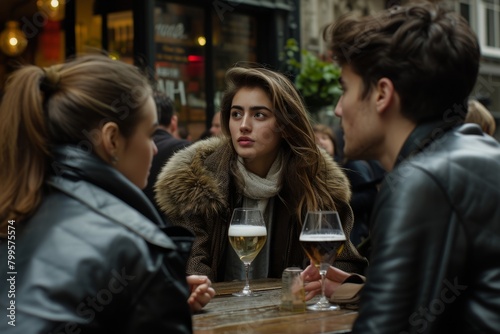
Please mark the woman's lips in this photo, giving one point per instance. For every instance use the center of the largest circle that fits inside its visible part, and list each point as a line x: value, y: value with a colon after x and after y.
x: 245, y: 141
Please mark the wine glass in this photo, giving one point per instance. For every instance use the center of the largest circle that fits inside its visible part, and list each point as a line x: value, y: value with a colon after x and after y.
x: 247, y: 236
x: 323, y: 239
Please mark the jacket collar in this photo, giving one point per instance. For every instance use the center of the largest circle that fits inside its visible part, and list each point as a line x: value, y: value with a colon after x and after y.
x: 421, y: 137
x: 162, y: 133
x: 72, y: 165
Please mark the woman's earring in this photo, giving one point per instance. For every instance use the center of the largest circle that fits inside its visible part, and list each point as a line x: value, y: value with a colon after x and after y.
x: 114, y: 159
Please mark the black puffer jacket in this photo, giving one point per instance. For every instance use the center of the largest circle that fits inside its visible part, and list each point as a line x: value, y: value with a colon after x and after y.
x: 91, y: 260
x: 435, y: 264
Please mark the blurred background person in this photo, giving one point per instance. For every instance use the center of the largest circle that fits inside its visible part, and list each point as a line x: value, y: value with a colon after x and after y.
x: 325, y: 138
x: 215, y: 129
x: 163, y: 137
x: 477, y: 113
x: 363, y: 185
x: 183, y: 133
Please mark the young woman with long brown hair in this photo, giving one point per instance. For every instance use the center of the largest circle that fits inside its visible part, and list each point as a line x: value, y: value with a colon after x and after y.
x: 268, y: 159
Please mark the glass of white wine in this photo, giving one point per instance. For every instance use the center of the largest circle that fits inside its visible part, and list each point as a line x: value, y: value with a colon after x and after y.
x: 323, y: 239
x: 247, y: 236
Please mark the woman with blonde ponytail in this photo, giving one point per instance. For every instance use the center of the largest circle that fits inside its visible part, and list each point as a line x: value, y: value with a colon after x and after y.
x: 85, y: 248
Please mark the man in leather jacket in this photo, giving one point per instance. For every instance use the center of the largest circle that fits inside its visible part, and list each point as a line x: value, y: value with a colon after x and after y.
x: 407, y: 74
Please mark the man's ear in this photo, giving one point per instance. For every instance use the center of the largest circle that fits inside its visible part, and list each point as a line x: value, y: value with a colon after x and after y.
x: 385, y: 96
x: 111, y: 139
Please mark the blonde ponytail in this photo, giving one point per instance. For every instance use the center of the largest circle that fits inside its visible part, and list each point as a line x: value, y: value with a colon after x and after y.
x: 59, y: 105
x: 23, y: 146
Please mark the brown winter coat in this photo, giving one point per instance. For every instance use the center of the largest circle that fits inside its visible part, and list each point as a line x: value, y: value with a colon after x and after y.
x: 195, y: 190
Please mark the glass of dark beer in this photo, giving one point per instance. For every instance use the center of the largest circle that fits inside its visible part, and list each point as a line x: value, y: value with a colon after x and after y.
x: 323, y: 239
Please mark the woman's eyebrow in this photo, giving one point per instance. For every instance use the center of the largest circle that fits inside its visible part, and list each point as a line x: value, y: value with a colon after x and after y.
x: 253, y: 108
x: 260, y: 108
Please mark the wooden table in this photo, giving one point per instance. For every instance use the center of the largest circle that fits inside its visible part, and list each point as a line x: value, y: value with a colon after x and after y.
x: 229, y: 314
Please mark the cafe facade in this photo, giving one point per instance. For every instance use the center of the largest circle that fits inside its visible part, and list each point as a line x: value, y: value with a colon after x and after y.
x: 188, y: 45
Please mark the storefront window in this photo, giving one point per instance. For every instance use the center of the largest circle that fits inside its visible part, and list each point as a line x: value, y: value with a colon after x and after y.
x: 87, y: 28
x: 120, y: 30
x: 180, y: 41
x: 50, y: 44
x: 121, y: 36
x: 235, y: 41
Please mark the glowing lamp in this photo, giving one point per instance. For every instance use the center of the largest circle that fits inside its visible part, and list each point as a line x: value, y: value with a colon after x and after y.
x: 202, y: 41
x: 12, y: 40
x: 54, y: 9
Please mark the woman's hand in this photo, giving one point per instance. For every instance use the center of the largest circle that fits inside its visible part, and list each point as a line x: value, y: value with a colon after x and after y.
x: 201, y: 291
x: 333, y: 278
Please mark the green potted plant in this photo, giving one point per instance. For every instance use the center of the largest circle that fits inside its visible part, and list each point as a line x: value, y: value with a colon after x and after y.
x: 316, y: 80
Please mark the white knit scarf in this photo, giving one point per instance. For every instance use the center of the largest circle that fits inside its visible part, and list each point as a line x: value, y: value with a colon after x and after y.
x: 258, y: 188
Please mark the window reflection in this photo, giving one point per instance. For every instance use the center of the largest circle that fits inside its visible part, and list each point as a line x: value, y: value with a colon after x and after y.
x: 179, y: 39
x: 235, y: 41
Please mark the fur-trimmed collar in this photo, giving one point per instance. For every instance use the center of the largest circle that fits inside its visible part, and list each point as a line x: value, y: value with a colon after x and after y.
x: 195, y: 181
x: 190, y: 182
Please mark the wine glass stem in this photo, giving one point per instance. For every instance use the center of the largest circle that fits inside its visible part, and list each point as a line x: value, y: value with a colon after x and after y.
x: 323, y: 298
x: 247, y: 283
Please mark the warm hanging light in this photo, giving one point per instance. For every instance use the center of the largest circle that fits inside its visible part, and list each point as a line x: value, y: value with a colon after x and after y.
x: 54, y: 9
x: 12, y: 39
x: 202, y: 41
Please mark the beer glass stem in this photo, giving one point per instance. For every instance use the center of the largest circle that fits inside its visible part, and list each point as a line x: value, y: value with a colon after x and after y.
x: 323, y: 304
x: 323, y: 299
x: 246, y: 289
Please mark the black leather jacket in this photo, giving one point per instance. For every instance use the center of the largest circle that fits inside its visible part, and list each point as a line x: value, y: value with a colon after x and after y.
x: 435, y: 264
x: 91, y: 260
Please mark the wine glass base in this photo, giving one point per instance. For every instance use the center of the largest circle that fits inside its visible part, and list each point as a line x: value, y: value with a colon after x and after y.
x: 246, y: 294
x: 322, y: 307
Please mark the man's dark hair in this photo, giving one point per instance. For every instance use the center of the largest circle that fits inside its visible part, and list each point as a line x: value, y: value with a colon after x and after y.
x: 430, y: 54
x: 164, y: 108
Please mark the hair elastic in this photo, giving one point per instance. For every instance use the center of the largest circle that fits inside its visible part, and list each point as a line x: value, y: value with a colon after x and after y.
x: 50, y: 81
